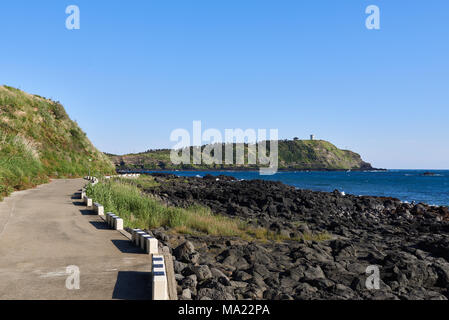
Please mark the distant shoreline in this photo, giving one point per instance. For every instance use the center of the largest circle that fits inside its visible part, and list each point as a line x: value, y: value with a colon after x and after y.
x: 409, y: 186
x: 247, y: 170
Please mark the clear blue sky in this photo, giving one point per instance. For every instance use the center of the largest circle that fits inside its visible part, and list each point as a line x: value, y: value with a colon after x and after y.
x: 136, y: 70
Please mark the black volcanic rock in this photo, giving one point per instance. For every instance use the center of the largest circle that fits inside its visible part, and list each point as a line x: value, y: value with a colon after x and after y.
x: 408, y: 242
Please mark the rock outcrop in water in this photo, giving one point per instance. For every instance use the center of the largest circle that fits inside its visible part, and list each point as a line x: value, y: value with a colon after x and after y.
x: 408, y: 242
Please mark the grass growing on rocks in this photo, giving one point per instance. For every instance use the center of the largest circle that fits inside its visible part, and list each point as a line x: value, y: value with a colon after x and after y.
x: 138, y: 210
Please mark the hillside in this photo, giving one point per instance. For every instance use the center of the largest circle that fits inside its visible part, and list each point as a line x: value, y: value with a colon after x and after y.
x: 39, y: 141
x: 293, y: 155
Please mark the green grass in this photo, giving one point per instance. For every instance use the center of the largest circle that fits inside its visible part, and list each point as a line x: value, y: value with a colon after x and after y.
x: 38, y: 141
x: 139, y: 210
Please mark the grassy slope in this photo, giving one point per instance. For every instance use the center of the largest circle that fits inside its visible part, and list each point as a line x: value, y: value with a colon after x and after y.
x: 38, y: 141
x: 293, y: 155
x: 317, y: 154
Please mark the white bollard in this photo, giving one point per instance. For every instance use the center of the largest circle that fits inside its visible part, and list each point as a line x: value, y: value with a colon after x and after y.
x: 150, y: 244
x: 88, y: 202
x: 138, y: 237
x: 118, y: 223
x: 109, y: 217
x: 159, y: 286
x: 112, y: 220
x: 143, y: 241
x: 158, y: 263
x: 160, y: 291
x: 134, y: 234
x: 99, y: 209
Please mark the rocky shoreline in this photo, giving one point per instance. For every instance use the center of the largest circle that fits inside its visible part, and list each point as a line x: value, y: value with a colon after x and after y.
x: 244, y: 169
x: 408, y: 242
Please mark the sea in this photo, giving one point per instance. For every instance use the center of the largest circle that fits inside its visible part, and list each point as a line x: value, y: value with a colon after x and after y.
x: 406, y: 185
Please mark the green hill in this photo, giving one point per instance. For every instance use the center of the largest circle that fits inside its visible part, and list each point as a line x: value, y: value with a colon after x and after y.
x: 293, y: 155
x: 38, y: 141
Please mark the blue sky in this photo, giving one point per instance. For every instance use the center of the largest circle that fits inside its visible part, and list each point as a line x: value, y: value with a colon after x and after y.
x: 137, y: 70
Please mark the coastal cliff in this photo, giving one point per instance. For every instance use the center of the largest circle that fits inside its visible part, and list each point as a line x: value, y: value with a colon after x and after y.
x: 293, y: 155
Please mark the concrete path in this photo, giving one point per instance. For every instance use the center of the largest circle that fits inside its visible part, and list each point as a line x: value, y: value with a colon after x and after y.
x: 47, y: 229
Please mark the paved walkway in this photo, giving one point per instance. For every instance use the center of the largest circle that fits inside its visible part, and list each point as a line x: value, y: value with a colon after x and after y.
x: 45, y: 230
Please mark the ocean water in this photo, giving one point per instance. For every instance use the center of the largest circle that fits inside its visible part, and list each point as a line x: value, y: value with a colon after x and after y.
x: 406, y: 185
